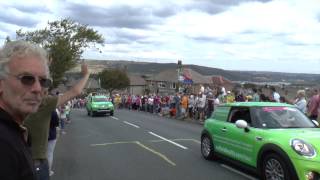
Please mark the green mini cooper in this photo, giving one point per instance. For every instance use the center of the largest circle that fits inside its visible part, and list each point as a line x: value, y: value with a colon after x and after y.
x: 275, y: 140
x: 99, y: 105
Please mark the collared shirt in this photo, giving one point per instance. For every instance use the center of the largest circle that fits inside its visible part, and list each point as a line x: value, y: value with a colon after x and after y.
x: 15, y: 155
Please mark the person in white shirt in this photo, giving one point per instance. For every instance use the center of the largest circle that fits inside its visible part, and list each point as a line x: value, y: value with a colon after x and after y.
x: 201, y: 106
x: 300, y: 102
x: 275, y: 95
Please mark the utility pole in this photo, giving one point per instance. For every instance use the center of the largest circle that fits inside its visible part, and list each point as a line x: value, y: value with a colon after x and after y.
x: 179, y: 70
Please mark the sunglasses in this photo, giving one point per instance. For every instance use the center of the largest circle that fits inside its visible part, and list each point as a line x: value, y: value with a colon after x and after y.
x: 29, y: 80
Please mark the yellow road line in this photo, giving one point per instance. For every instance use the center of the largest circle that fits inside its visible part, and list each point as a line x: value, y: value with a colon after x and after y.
x: 156, y: 153
x: 141, y: 145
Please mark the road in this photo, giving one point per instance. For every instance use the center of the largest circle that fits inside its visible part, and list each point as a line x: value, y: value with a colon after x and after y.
x: 135, y: 146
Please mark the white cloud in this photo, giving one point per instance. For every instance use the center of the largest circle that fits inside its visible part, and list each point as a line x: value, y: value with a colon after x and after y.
x: 269, y: 36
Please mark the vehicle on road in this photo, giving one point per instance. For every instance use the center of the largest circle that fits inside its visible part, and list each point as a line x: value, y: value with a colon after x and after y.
x: 99, y: 104
x: 275, y: 140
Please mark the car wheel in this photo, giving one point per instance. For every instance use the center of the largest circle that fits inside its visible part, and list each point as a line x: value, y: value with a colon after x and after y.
x: 274, y: 167
x: 111, y: 113
x: 207, y: 148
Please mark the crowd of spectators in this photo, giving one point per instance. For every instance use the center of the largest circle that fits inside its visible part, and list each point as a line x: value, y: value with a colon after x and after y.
x: 200, y: 106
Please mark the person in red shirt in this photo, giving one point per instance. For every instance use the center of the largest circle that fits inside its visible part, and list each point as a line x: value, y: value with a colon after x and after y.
x: 313, y: 105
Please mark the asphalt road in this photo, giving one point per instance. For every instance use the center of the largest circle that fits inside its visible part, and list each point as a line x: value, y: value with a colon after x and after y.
x: 135, y: 146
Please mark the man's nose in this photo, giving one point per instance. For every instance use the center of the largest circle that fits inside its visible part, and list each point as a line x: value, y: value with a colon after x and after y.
x: 36, y: 87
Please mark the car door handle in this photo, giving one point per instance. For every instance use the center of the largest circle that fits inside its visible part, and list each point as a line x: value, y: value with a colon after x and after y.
x: 224, y: 129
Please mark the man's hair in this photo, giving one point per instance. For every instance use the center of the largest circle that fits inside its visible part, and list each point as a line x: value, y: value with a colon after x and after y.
x: 20, y: 49
x: 301, y: 92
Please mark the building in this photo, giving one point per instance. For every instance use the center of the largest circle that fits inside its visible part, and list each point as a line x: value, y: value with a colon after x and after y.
x: 137, y: 85
x: 168, y: 82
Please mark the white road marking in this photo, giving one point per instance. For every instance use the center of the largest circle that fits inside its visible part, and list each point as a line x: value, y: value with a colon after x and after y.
x: 114, y: 118
x: 238, y: 172
x: 183, y: 147
x: 131, y: 124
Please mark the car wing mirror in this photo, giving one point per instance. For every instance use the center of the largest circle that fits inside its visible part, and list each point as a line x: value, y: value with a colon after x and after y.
x: 315, y: 122
x: 242, y: 124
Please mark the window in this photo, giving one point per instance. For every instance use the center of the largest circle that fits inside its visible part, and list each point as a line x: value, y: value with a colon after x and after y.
x: 281, y: 117
x: 240, y: 113
x: 173, y: 86
x: 161, y: 84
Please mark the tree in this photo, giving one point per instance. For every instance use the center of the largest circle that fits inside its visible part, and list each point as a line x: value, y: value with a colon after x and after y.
x: 65, y: 41
x: 113, y: 79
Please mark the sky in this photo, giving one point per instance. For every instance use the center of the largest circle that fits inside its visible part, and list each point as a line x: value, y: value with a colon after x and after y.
x: 246, y: 35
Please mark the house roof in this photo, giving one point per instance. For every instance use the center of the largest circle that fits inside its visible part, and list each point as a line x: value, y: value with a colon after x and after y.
x: 171, y: 75
x: 219, y: 80
x: 136, y: 80
x: 196, y: 77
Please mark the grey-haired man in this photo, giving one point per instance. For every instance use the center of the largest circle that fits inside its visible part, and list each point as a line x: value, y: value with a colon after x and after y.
x: 23, y: 82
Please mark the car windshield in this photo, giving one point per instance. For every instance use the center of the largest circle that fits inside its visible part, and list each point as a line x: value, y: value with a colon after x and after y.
x: 100, y: 99
x: 281, y: 117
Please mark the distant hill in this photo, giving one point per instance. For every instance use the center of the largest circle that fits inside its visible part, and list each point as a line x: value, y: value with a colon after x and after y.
x: 146, y: 68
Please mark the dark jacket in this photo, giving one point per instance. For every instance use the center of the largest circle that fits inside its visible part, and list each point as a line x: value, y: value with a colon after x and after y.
x: 15, y: 155
x: 54, y: 123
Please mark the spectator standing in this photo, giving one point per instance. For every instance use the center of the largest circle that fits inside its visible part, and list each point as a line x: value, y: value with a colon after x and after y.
x: 300, y: 101
x: 239, y: 97
x: 230, y: 97
x: 191, y: 105
x: 256, y: 96
x: 24, y: 81
x: 275, y: 96
x: 216, y: 102
x: 177, y: 101
x: 62, y: 118
x: 210, y: 104
x: 313, y: 105
x: 201, y: 106
x: 184, y: 105
x: 52, y: 139
x: 38, y: 123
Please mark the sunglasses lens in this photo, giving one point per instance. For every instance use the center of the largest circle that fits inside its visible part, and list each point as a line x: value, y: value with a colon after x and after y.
x: 27, y: 80
x: 45, y: 83
x: 30, y: 80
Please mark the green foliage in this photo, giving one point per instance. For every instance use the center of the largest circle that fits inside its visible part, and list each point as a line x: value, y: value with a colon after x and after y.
x: 112, y: 79
x: 65, y: 41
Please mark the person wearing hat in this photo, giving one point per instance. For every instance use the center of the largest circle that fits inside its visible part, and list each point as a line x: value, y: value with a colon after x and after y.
x: 230, y: 97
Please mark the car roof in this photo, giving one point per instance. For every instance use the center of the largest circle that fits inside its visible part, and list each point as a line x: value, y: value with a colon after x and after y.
x: 257, y: 104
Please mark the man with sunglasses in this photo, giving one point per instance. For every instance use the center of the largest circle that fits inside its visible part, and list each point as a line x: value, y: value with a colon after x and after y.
x: 38, y: 123
x: 23, y: 81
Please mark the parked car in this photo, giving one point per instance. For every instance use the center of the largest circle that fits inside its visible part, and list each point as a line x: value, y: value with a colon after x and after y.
x: 98, y: 104
x: 275, y: 140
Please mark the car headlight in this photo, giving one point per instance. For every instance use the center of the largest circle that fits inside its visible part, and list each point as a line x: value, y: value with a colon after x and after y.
x: 302, y: 148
